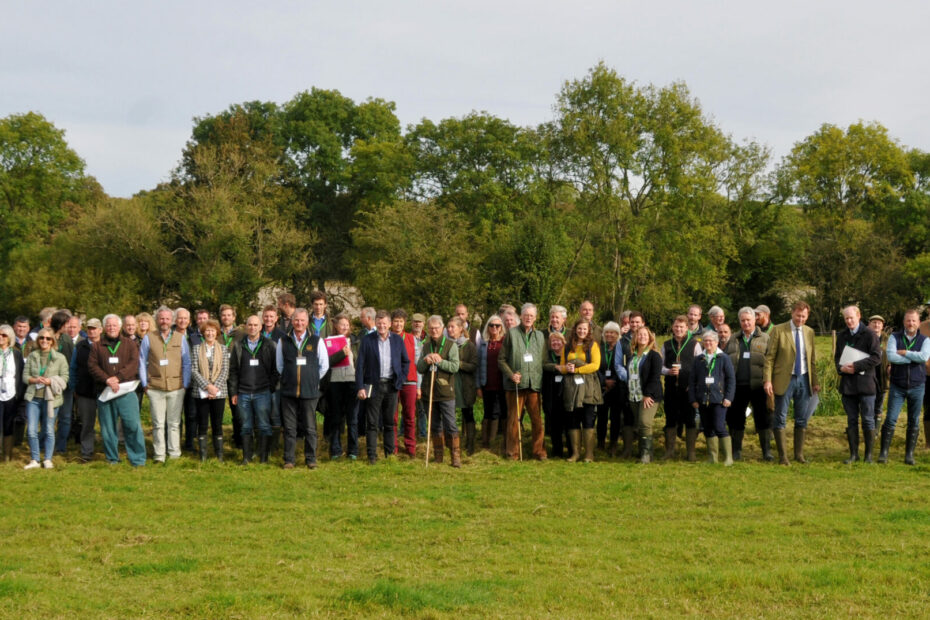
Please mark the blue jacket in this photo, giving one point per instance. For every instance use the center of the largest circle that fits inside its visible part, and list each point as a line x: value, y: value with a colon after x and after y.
x: 724, y: 385
x: 368, y: 366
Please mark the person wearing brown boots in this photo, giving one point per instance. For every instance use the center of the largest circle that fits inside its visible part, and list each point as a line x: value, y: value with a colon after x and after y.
x: 438, y: 363
x: 465, y: 388
x: 491, y: 381
x: 12, y: 388
x: 581, y: 391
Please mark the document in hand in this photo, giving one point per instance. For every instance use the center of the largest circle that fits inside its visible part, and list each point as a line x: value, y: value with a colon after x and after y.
x: 334, y: 344
x: 851, y: 356
x: 124, y: 388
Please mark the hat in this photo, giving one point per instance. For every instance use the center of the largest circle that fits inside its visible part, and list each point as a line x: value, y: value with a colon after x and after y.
x: 94, y: 323
x: 418, y: 317
x: 876, y: 317
x: 763, y: 308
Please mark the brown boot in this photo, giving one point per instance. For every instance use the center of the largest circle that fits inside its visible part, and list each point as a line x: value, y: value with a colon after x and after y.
x: 485, y: 434
x: 470, y: 434
x: 690, y: 443
x: 799, y: 444
x: 455, y: 450
x: 438, y: 447
x: 779, y: 434
x: 628, y: 433
x: 574, y: 437
x: 7, y: 448
x: 670, y: 436
x: 589, y: 440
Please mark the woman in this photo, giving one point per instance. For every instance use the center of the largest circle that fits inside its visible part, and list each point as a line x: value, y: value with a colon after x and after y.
x: 712, y: 388
x: 644, y: 370
x: 553, y: 382
x: 11, y: 387
x: 490, y: 379
x: 581, y: 388
x: 209, y: 370
x: 612, y: 408
x: 465, y: 383
x: 145, y: 323
x: 46, y: 374
x: 343, y: 400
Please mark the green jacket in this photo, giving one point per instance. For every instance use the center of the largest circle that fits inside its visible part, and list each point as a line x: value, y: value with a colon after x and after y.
x: 466, y: 389
x: 57, y: 367
x: 511, y: 359
x: 444, y: 388
x: 757, y: 348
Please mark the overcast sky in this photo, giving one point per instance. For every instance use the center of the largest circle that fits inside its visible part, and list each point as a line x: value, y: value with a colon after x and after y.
x: 125, y: 79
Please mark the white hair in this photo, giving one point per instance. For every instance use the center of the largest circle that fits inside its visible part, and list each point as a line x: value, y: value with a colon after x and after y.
x: 113, y: 316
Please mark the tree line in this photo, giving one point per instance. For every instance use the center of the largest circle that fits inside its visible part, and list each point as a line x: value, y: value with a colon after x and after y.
x: 630, y: 196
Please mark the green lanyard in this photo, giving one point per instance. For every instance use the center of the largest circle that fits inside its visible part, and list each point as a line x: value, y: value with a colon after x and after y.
x: 634, y: 362
x: 682, y: 348
x: 301, y: 346
x: 610, y: 357
x: 227, y: 339
x: 42, y: 368
x: 710, y: 367
x: 5, y: 355
x: 908, y: 345
x: 167, y: 341
x: 320, y: 329
x: 747, y: 341
x: 113, y: 350
x: 257, y: 347
x: 441, y: 345
x: 526, y: 338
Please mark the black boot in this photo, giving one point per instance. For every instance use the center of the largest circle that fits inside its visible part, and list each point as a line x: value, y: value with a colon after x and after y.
x: 470, y: 436
x: 645, y: 450
x: 737, y: 443
x: 275, y: 442
x: 202, y: 444
x: 246, y: 448
x: 765, y: 442
x: 869, y: 437
x: 218, y: 448
x: 886, y: 437
x: 912, y: 434
x: 852, y: 436
x: 263, y: 448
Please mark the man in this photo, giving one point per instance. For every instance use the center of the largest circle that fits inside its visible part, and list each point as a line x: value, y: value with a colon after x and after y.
x: 857, y: 381
x: 764, y: 319
x: 723, y: 336
x: 272, y: 332
x: 678, y: 355
x: 201, y: 316
x: 112, y: 361
x: 367, y: 318
x: 21, y: 331
x: 58, y: 322
x: 520, y: 361
x: 130, y: 328
x: 747, y: 353
x: 84, y: 390
x: 472, y: 332
x: 925, y: 330
x: 636, y: 321
x: 877, y: 325
x: 73, y: 329
x: 230, y: 333
x: 438, y: 364
x: 694, y: 319
x: 253, y: 375
x: 586, y: 311
x: 417, y: 324
x: 908, y: 351
x: 382, y: 367
x: 790, y: 374
x: 287, y: 304
x: 165, y: 374
x: 183, y: 327
x: 509, y: 317
x: 301, y: 361
x: 320, y: 324
x: 557, y: 317
x: 45, y: 314
x: 717, y: 318
x: 20, y: 340
x: 410, y: 390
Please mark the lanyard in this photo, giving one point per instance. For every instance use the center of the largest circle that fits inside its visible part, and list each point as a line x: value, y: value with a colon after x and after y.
x: 710, y: 367
x: 747, y: 341
x: 42, y: 368
x: 302, y: 345
x: 610, y: 357
x: 441, y: 344
x: 113, y: 350
x: 227, y: 339
x: 165, y: 343
x: 6, y: 354
x: 257, y: 346
x: 634, y: 362
x: 319, y: 329
x: 908, y: 345
x: 526, y: 338
x: 682, y: 348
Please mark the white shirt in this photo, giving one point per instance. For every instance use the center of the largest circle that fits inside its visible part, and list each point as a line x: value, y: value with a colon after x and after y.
x: 801, y: 350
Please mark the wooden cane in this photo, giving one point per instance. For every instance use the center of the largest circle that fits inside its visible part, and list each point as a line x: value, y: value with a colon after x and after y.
x: 516, y: 388
x: 429, y: 413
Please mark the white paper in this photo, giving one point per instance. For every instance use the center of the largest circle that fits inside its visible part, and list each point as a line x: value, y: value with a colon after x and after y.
x: 812, y: 404
x: 124, y: 388
x: 851, y: 356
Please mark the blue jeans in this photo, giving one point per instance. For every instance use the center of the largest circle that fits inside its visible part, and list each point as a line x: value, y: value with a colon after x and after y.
x: 860, y: 405
x: 36, y: 412
x: 896, y: 398
x: 259, y: 405
x: 798, y: 390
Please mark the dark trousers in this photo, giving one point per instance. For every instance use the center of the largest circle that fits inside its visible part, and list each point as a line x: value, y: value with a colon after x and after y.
x: 379, y: 411
x: 611, y: 410
x: 8, y: 411
x: 299, y: 412
x: 495, y: 404
x: 861, y: 406
x: 746, y: 396
x: 343, y: 413
x: 678, y: 409
x: 558, y: 423
x: 237, y: 424
x: 191, y: 420
x: 583, y: 417
x: 87, y: 410
x: 210, y: 411
x: 713, y: 419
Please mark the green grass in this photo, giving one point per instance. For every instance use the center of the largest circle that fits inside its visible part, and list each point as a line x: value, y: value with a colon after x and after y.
x: 494, y: 539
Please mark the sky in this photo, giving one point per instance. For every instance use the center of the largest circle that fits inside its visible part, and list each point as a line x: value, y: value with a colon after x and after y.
x: 126, y: 79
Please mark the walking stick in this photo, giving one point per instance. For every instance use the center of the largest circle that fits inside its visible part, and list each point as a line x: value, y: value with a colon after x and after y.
x: 516, y: 389
x: 429, y: 412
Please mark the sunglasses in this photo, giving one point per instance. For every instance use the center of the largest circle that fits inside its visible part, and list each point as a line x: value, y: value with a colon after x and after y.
x: 496, y: 325
x: 41, y: 338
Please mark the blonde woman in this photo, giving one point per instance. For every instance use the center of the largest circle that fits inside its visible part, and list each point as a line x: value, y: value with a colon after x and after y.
x: 46, y: 375
x: 644, y: 371
x: 209, y: 371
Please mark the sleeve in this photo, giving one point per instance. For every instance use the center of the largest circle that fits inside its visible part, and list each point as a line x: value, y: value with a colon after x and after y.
x: 130, y: 371
x: 143, y: 361
x: 279, y: 357
x: 93, y: 365
x: 404, y: 361
x: 665, y: 369
x: 451, y: 363
x: 504, y: 356
x: 770, y: 355
x: 224, y: 372
x: 483, y: 365
x: 185, y: 363
x: 619, y: 365
x: 467, y: 362
x: 322, y: 357
x: 72, y: 369
x: 912, y: 356
x: 875, y: 355
x: 692, y: 381
x: 198, y: 379
x: 360, y: 366
x: 730, y: 374
x: 595, y: 363
x: 232, y: 384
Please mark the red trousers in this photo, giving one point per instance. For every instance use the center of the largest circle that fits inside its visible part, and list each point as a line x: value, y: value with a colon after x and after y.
x: 407, y: 403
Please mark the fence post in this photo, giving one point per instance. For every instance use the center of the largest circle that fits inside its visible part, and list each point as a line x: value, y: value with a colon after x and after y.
x: 834, y: 343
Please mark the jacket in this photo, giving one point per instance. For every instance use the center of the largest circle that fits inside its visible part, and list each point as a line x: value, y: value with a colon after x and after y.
x: 126, y: 367
x: 862, y: 382
x: 466, y: 390
x: 444, y: 388
x: 650, y: 373
x: 57, y: 366
x: 780, y: 357
x: 246, y: 378
x: 517, y: 344
x: 757, y: 347
x: 723, y: 386
x: 199, y: 376
x: 368, y: 367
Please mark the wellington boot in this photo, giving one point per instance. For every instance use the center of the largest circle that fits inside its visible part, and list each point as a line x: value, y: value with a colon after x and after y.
x: 926, y: 436
x: 691, y: 444
x: 670, y: 436
x: 645, y: 450
x: 485, y: 434
x: 726, y: 447
x: 438, y: 447
x: 589, y: 441
x: 737, y: 439
x: 263, y: 443
x: 470, y: 434
x: 202, y: 445
x: 628, y: 433
x: 852, y: 437
x: 765, y: 442
x: 910, y: 444
x: 246, y: 449
x: 455, y: 449
x: 779, y: 434
x: 7, y: 448
x: 492, y: 434
x: 869, y: 437
x: 612, y: 447
x: 574, y: 438
x: 218, y: 448
x: 713, y: 446
x: 274, y: 443
x: 886, y: 436
x: 799, y: 434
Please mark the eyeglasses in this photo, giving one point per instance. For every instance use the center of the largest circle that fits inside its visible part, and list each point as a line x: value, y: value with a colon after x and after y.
x: 3, y: 336
x: 495, y: 325
x: 41, y: 338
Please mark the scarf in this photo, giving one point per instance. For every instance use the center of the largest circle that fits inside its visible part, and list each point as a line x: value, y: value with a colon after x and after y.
x: 216, y: 367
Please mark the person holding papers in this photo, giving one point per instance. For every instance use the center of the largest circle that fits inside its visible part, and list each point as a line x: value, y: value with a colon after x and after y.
x: 210, y: 373
x: 114, y: 364
x: 343, y: 401
x: 857, y: 356
x: 908, y: 351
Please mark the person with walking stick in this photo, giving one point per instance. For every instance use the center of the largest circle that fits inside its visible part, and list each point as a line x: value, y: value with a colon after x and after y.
x: 440, y: 358
x: 520, y: 361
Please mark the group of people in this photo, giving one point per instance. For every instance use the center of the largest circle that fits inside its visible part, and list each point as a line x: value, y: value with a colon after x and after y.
x: 586, y: 386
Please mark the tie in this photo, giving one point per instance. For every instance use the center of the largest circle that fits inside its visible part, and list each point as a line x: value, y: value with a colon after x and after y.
x: 797, y: 349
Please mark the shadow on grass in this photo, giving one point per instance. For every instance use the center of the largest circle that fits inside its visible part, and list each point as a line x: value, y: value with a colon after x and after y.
x: 406, y: 598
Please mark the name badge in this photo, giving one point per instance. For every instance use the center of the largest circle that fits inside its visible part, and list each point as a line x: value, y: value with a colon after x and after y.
x: 558, y: 378
x: 254, y: 362
x: 162, y: 362
x: 634, y: 376
x: 301, y: 361
x: 709, y: 380
x: 579, y: 380
x: 609, y: 373
x: 527, y: 357
x: 745, y: 355
x: 114, y: 360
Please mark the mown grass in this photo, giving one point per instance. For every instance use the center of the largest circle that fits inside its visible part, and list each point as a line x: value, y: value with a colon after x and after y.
x: 498, y: 539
